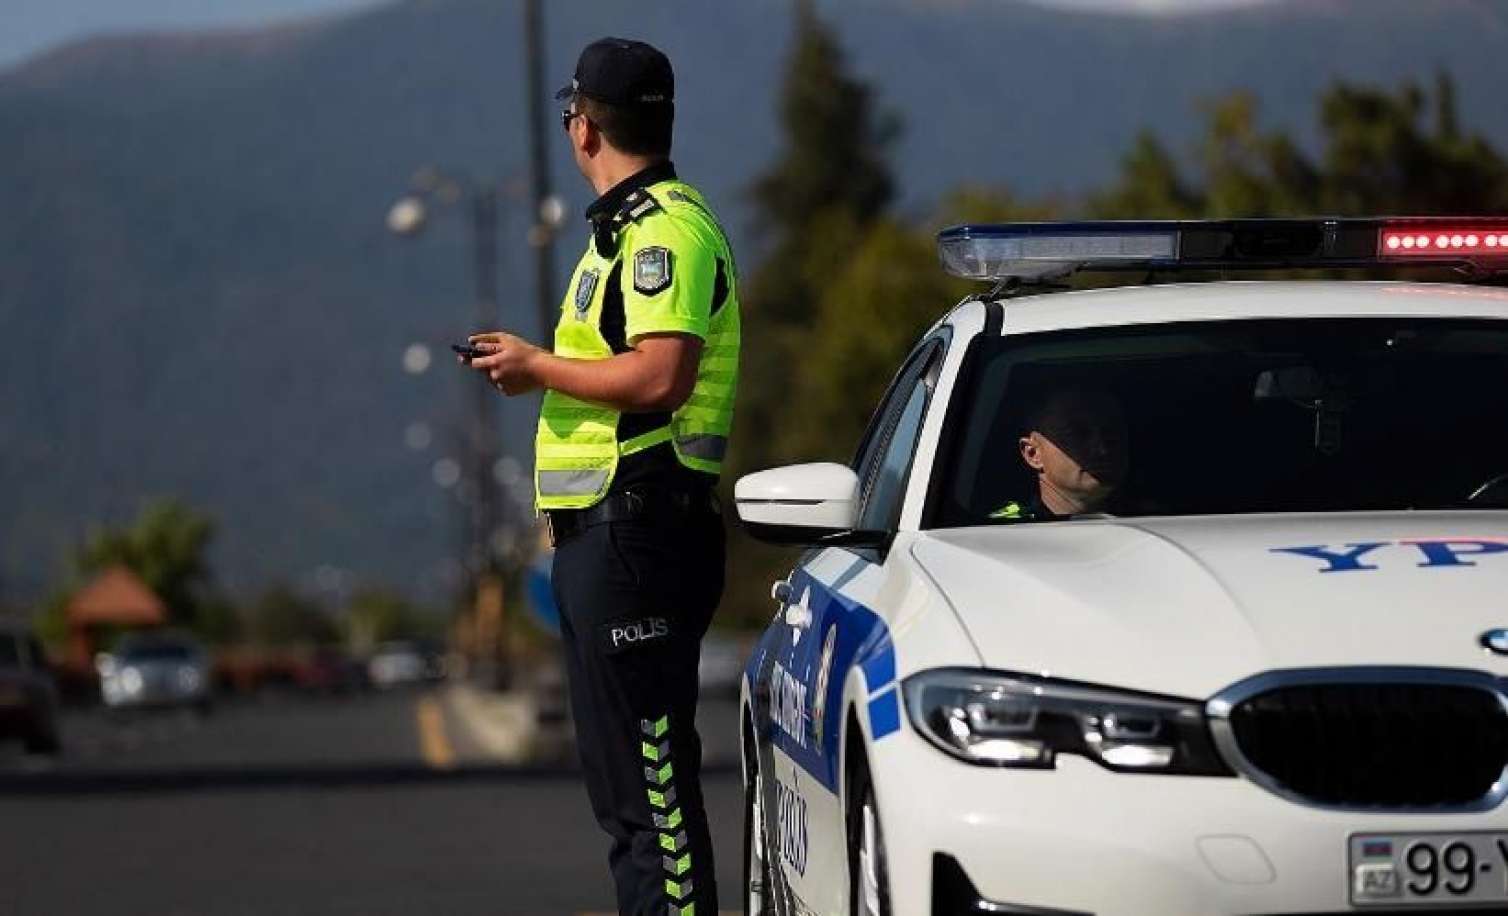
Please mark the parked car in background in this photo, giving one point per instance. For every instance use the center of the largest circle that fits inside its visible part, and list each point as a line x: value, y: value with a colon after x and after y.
x: 398, y: 663
x: 330, y: 671
x: 159, y: 668
x: 28, y: 693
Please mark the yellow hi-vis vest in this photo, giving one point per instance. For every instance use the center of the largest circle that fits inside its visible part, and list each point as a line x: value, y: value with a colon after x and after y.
x: 674, y: 268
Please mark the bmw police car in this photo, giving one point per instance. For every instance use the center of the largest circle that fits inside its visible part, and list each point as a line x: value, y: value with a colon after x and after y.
x: 1163, y: 599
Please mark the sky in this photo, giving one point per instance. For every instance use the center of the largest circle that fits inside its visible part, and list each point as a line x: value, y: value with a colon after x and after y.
x: 30, y: 26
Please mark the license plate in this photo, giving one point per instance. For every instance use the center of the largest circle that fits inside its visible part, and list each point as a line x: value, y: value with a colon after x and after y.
x: 1429, y: 869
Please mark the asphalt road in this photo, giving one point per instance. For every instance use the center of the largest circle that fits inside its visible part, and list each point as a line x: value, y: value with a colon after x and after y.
x: 373, y: 805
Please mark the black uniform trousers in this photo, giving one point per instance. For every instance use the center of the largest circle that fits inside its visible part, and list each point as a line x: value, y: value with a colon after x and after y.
x: 635, y: 600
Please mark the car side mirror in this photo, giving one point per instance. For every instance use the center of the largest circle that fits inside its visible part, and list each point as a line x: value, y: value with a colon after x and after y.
x: 804, y: 505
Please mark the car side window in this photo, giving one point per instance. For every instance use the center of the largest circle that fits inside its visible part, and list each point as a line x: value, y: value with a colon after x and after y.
x: 876, y: 436
x: 885, y: 484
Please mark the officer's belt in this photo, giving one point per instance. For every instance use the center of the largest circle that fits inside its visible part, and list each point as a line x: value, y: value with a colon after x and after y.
x: 638, y: 504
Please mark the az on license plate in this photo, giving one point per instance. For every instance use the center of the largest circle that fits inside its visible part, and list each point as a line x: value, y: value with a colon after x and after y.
x: 1435, y: 869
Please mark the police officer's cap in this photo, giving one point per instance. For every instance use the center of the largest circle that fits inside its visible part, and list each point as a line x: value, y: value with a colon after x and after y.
x: 619, y: 71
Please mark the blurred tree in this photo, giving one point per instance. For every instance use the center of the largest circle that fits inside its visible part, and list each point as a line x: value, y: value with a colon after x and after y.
x: 1248, y: 172
x: 876, y: 299
x: 829, y: 182
x: 833, y: 160
x: 282, y: 617
x: 813, y: 208
x: 50, y: 622
x: 218, y: 620
x: 879, y: 298
x: 1149, y: 186
x: 166, y: 547
x: 378, y: 615
x: 1381, y: 157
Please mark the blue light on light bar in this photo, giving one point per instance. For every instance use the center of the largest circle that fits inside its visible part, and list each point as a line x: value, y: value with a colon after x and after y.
x: 1048, y: 251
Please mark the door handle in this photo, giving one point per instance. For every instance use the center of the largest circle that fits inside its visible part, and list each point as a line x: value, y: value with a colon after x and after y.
x: 780, y: 590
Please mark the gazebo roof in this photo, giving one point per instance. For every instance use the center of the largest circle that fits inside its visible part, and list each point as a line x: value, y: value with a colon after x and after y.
x: 116, y: 596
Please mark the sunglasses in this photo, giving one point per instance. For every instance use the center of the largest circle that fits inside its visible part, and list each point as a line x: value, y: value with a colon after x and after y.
x: 566, y: 116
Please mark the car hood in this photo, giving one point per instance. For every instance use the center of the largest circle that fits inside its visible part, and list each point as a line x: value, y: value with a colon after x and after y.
x: 1187, y: 606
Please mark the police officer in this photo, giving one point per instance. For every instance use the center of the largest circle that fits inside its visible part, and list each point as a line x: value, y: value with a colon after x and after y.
x: 1075, y: 444
x: 632, y: 434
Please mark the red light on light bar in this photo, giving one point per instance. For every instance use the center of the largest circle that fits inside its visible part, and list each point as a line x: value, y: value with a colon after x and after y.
x: 1404, y: 243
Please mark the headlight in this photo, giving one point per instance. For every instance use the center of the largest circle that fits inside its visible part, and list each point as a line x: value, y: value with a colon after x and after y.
x: 130, y: 681
x: 1012, y: 720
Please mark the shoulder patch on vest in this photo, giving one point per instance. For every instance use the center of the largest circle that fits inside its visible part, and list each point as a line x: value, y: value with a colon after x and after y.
x: 585, y: 287
x: 638, y: 205
x: 651, y: 269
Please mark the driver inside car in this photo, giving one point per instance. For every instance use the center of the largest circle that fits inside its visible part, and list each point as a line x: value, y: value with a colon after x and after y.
x: 1075, y: 444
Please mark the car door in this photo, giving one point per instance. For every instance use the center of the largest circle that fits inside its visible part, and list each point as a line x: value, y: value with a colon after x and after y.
x: 826, y: 626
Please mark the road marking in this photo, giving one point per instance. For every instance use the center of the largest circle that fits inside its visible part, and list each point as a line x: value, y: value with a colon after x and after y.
x: 433, y: 742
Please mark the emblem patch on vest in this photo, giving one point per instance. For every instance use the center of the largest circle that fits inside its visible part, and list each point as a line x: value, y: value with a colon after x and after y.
x: 651, y: 269
x: 585, y: 287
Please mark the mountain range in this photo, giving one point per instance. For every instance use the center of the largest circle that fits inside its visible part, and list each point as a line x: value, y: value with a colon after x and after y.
x: 200, y: 299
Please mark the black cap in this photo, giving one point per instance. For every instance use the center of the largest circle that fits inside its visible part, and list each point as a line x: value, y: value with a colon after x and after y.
x: 622, y: 72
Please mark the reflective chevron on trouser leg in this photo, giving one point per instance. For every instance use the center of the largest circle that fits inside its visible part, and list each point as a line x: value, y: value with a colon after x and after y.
x: 659, y: 773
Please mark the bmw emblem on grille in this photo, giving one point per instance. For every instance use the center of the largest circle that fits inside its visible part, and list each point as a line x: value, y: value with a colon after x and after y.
x: 1496, y: 641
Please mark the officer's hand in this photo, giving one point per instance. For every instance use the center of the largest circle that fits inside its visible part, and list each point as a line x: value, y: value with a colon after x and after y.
x: 510, y: 364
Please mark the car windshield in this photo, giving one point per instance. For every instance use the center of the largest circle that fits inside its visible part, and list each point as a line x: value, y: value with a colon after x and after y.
x: 1231, y: 417
x: 157, y: 652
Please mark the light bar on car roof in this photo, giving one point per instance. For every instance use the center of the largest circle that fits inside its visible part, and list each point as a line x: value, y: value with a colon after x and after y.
x: 1035, y: 252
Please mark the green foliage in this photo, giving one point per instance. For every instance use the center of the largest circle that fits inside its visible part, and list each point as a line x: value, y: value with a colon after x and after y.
x: 378, y: 615
x: 51, y: 621
x: 878, y: 299
x: 817, y: 203
x: 830, y: 181
x: 833, y: 161
x: 218, y: 621
x: 1381, y: 156
x: 1149, y: 187
x: 282, y: 617
x: 166, y: 547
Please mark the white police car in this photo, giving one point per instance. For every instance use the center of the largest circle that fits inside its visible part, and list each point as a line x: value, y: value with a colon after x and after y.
x: 1263, y: 676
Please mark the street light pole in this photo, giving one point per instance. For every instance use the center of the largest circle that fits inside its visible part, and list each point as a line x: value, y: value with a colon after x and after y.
x: 485, y: 519
x: 546, y: 209
x: 481, y: 503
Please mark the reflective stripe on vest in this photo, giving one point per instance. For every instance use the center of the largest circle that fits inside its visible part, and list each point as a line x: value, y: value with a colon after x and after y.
x: 707, y: 448
x: 572, y: 483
